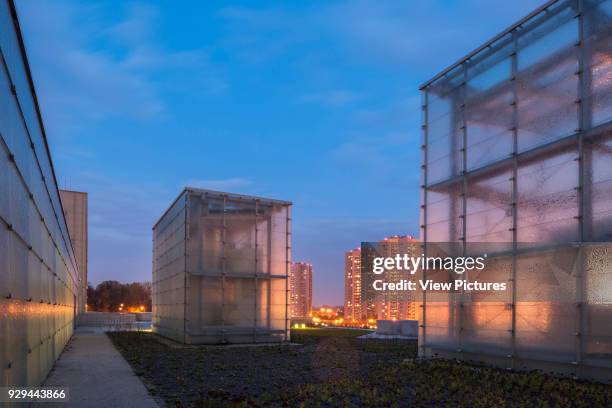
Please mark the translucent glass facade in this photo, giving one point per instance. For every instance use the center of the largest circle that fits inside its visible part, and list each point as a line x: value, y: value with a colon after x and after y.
x: 220, y: 268
x: 38, y: 273
x: 517, y: 150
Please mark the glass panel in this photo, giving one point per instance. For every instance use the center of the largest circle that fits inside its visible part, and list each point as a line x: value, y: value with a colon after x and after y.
x: 441, y: 324
x: 444, y: 134
x: 263, y: 304
x: 205, y: 305
x: 546, y: 290
x: 264, y: 227
x: 278, y: 304
x: 547, y: 199
x: 240, y: 237
x: 442, y: 206
x: 489, y: 112
x: 598, y: 61
x: 487, y: 317
x: 598, y: 163
x: 489, y: 208
x: 212, y: 230
x: 279, y: 241
x: 239, y: 302
x: 598, y: 296
x: 548, y: 84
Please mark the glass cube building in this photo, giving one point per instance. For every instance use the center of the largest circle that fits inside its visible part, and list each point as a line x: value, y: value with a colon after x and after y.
x: 220, y: 268
x: 40, y: 284
x: 517, y: 151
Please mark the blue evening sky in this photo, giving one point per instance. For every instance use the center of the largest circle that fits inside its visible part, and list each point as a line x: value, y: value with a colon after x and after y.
x: 314, y: 102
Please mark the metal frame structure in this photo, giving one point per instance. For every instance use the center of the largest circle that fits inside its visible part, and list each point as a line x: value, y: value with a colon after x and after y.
x: 517, y: 149
x: 220, y: 269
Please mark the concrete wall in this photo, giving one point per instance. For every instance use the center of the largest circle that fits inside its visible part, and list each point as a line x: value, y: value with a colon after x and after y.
x: 38, y: 272
x: 75, y: 212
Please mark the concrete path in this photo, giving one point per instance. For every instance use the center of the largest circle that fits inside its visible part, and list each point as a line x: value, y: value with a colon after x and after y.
x: 96, y: 375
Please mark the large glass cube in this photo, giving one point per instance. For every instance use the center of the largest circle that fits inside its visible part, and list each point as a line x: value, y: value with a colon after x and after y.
x: 220, y: 267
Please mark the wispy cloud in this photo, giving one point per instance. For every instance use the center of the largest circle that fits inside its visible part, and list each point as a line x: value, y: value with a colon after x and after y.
x: 333, y: 98
x: 403, y: 113
x: 413, y: 34
x: 379, y: 32
x: 375, y: 155
x: 259, y: 19
x: 113, y: 203
x: 72, y: 74
x: 89, y: 68
x: 257, y: 35
x: 137, y: 28
x: 383, y: 145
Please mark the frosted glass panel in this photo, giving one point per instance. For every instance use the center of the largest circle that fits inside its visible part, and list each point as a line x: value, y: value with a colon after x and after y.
x: 535, y: 106
x: 548, y: 84
x: 489, y: 209
x: 488, y: 111
x: 40, y: 287
x: 547, y: 199
x: 546, y: 290
x: 443, y: 221
x: 598, y: 218
x: 444, y: 130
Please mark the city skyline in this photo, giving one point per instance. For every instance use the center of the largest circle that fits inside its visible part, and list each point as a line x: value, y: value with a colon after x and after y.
x: 362, y: 303
x: 123, y: 86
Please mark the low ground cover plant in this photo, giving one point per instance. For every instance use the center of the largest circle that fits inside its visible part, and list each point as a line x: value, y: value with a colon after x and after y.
x: 333, y: 368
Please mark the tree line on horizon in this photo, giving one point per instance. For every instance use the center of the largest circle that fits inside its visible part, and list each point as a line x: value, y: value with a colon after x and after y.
x: 114, y: 296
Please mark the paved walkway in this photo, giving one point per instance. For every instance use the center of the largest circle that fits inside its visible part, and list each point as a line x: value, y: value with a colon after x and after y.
x: 96, y: 375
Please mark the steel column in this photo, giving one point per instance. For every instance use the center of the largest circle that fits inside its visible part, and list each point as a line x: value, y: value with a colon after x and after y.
x: 424, y: 209
x: 463, y: 107
x: 223, y: 267
x: 256, y: 282
x: 514, y: 194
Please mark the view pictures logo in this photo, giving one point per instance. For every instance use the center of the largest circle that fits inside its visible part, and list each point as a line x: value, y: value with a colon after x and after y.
x: 410, y: 264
